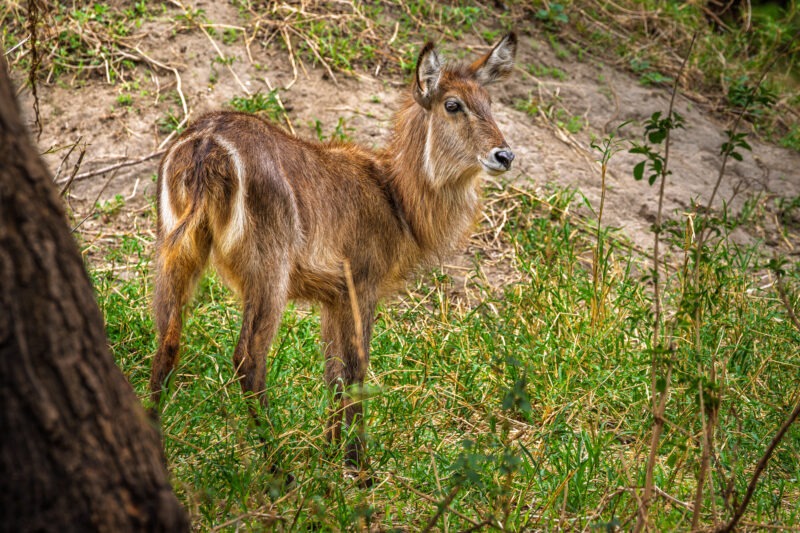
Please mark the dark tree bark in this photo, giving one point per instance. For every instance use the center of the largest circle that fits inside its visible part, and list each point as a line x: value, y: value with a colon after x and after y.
x: 77, y: 451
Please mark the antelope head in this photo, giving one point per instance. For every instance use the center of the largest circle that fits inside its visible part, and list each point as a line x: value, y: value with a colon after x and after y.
x: 462, y: 137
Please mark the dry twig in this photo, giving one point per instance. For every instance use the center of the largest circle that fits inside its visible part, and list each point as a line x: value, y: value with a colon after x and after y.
x: 93, y: 207
x: 75, y: 168
x: 99, y: 171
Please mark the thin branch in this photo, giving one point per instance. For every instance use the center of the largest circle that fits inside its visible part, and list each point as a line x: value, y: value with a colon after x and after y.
x: 431, y: 499
x: 357, y: 323
x: 100, y: 171
x: 63, y: 159
x: 75, y: 169
x: 22, y: 42
x: 202, y: 28
x: 709, y: 426
x: 280, y: 103
x: 659, y: 405
x: 673, y: 499
x: 174, y: 132
x: 35, y: 11
x: 288, y: 42
x: 762, y: 464
x: 315, y: 49
x: 94, y: 204
x: 441, y: 507
x: 704, y: 231
x: 786, y: 303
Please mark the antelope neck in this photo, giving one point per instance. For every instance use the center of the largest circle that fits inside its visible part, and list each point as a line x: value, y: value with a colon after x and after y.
x: 423, y: 205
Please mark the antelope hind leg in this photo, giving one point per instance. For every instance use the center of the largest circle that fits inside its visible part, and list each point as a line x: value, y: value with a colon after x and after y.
x: 178, y: 268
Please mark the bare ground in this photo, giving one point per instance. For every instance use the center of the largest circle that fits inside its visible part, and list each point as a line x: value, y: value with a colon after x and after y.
x: 546, y: 154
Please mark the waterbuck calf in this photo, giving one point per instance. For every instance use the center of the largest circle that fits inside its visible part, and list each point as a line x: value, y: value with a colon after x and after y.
x: 336, y: 223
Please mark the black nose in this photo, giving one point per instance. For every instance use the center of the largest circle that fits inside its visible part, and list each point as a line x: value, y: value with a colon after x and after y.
x: 504, y: 157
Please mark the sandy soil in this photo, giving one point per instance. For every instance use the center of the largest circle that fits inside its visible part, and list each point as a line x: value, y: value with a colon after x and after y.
x: 546, y: 154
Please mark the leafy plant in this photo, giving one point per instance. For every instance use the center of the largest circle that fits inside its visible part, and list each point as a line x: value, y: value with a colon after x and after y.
x: 170, y: 122
x: 654, y: 78
x: 341, y: 131
x: 268, y: 104
x: 756, y: 99
x: 125, y: 100
x: 656, y: 130
x: 230, y: 36
x: 736, y: 141
x: 647, y: 74
x: 529, y: 105
x: 108, y: 208
x: 547, y: 72
x: 792, y: 138
x: 517, y: 411
x: 553, y: 15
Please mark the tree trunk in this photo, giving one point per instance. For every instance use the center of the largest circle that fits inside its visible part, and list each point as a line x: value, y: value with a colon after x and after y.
x: 77, y: 451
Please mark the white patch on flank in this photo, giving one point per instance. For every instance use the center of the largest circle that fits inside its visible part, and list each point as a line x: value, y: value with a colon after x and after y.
x: 166, y: 210
x: 236, y: 224
x: 168, y: 218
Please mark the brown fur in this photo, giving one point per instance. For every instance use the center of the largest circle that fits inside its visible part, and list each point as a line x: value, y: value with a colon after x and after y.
x: 280, y: 216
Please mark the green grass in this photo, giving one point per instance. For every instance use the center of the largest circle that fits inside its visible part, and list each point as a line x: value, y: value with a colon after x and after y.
x: 268, y: 105
x: 528, y: 412
x: 341, y: 132
x: 543, y: 71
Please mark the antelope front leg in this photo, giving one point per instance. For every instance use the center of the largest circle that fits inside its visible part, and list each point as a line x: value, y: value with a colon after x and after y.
x: 260, y: 321
x: 346, y: 362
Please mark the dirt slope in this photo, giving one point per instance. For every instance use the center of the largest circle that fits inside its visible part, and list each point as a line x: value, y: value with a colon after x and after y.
x: 546, y: 154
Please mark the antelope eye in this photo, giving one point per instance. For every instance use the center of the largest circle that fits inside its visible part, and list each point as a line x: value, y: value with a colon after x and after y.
x: 452, y: 106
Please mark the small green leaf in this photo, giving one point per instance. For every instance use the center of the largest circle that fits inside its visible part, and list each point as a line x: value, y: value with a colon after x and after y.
x: 638, y: 171
x: 658, y: 165
x: 657, y: 137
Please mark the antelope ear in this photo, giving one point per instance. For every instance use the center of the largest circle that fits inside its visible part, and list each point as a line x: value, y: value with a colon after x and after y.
x: 497, y: 64
x: 429, y: 68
